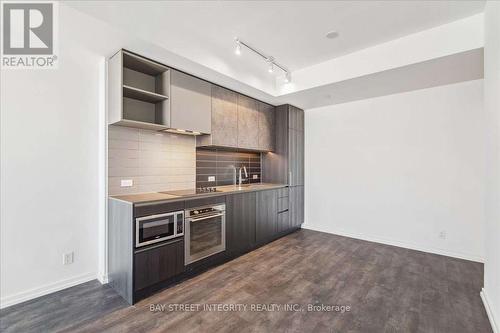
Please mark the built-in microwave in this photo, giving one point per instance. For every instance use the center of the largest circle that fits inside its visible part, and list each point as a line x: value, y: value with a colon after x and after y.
x: 157, y: 228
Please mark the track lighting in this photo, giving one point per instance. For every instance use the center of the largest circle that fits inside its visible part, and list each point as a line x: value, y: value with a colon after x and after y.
x: 270, y: 68
x: 288, y: 77
x: 270, y: 60
x: 237, y: 51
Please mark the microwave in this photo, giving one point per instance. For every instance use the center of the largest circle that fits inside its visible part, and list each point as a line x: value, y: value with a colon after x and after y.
x: 157, y: 228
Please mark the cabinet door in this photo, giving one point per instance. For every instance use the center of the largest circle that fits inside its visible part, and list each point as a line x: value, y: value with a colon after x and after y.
x: 248, y: 123
x: 283, y: 221
x: 158, y: 263
x: 267, y: 214
x: 296, y: 207
x: 295, y: 157
x: 240, y: 222
x: 295, y: 118
x: 190, y: 103
x: 224, y: 117
x: 266, y: 127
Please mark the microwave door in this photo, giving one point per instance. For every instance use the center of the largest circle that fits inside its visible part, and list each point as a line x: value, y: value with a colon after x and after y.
x: 152, y: 229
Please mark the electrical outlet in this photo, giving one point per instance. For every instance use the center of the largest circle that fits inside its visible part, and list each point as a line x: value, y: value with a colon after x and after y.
x: 211, y: 178
x: 255, y: 177
x: 442, y: 234
x: 68, y: 258
x: 126, y: 183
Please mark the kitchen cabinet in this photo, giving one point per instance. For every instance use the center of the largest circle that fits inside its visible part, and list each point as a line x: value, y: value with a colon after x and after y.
x: 266, y: 215
x: 138, y: 92
x: 239, y: 122
x: 295, y: 157
x: 296, y: 206
x: 266, y: 127
x: 240, y: 222
x: 248, y: 123
x: 286, y: 164
x: 190, y: 103
x: 224, y: 131
x: 158, y: 263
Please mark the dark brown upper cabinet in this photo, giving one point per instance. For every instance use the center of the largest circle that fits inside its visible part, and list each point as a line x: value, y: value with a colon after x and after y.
x: 286, y: 165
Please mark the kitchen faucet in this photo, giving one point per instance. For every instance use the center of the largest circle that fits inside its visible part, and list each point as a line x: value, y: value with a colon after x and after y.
x: 246, y: 175
x: 239, y: 175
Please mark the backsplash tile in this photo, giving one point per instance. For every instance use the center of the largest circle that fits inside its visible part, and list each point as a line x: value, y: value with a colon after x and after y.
x: 221, y: 163
x: 155, y: 161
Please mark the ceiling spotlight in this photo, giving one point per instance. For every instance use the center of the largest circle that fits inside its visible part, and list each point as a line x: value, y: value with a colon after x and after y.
x: 270, y: 69
x: 288, y: 77
x: 238, y: 47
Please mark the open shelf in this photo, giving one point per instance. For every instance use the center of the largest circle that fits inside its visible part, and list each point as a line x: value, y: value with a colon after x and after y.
x: 142, y: 95
x: 142, y: 65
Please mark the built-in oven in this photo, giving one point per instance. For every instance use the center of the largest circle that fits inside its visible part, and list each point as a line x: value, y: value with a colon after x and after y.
x: 157, y: 228
x: 205, y: 233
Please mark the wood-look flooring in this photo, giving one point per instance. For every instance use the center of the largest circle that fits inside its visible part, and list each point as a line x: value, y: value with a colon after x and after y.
x: 388, y: 289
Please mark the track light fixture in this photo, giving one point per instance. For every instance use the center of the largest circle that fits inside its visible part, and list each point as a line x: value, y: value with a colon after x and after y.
x: 269, y: 59
x: 237, y: 51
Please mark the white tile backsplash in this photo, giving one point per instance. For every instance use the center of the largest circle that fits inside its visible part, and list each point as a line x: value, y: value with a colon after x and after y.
x: 155, y: 161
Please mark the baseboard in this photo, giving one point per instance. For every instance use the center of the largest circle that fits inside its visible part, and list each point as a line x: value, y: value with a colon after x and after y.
x: 44, y: 290
x: 489, y: 312
x: 399, y: 244
x: 103, y: 278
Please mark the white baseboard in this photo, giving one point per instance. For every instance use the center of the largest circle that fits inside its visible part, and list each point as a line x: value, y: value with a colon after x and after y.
x: 399, y: 244
x: 103, y: 278
x: 44, y: 290
x: 489, y: 312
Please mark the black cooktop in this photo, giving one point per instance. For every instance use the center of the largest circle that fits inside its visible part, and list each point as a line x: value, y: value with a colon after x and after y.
x: 190, y: 192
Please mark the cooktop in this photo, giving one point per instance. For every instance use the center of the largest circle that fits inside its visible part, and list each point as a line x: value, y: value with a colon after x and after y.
x: 199, y: 190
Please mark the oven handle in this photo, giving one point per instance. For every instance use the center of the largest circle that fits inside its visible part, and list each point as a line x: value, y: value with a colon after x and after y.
x: 190, y: 219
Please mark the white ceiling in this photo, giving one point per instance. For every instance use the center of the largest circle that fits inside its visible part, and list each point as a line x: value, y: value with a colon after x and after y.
x: 291, y: 31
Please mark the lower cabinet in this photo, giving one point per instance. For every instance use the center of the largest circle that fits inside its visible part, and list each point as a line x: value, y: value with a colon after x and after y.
x: 296, y: 206
x: 267, y: 215
x: 158, y: 263
x: 240, y: 222
x: 283, y: 222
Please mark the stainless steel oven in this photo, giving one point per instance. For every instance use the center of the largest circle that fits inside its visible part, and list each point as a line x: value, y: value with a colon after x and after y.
x: 205, y: 233
x: 156, y: 228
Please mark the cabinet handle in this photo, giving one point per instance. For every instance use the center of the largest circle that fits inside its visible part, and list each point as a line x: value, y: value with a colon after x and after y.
x: 159, y: 245
x: 290, y: 178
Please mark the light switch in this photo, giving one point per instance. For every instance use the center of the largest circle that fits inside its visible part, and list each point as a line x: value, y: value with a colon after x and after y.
x: 255, y: 177
x: 126, y: 183
x: 211, y: 178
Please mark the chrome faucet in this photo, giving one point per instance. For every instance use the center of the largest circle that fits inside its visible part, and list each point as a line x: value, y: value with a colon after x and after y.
x: 239, y: 177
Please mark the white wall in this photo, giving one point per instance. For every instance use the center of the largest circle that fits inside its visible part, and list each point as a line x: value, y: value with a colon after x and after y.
x: 400, y: 169
x: 491, y: 292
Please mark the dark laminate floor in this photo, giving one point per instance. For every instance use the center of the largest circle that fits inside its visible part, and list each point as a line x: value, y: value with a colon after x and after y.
x: 389, y: 289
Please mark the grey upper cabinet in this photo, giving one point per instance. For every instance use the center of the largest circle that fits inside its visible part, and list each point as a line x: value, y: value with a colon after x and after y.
x: 248, y: 123
x: 190, y: 103
x: 224, y: 119
x: 266, y: 127
x: 239, y: 121
x: 138, y: 92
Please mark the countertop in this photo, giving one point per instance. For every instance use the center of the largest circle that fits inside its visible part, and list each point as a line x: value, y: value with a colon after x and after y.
x: 224, y: 190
